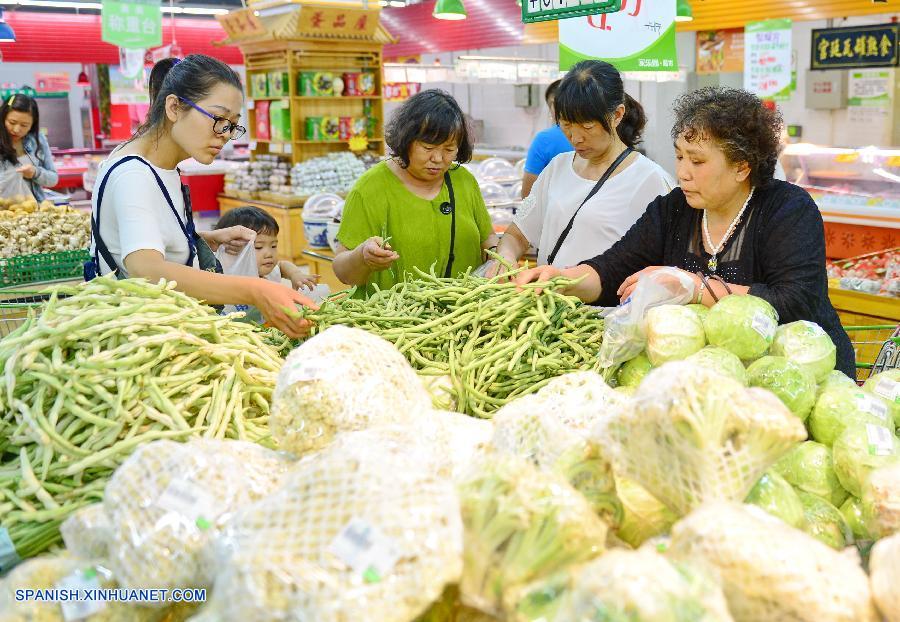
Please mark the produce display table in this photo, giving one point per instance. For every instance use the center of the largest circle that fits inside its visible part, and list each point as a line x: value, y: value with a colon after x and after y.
x: 857, y: 308
x: 320, y: 262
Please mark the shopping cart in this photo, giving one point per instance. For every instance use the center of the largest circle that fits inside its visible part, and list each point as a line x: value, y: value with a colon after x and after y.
x: 877, y: 348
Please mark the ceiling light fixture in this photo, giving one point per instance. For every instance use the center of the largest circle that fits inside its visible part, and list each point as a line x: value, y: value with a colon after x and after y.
x: 683, y: 11
x: 449, y: 9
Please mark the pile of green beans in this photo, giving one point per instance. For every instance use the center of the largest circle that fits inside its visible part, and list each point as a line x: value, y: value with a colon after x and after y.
x: 495, y: 341
x: 103, y: 368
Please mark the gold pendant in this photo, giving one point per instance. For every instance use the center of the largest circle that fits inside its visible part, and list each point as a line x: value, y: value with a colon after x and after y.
x: 713, y: 263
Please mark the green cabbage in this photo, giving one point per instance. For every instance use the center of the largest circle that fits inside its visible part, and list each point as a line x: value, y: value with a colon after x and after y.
x: 626, y: 390
x: 632, y: 372
x: 843, y: 407
x: 644, y: 516
x: 824, y: 521
x: 836, y: 379
x: 856, y: 518
x: 860, y: 450
x: 808, y: 467
x: 722, y: 361
x: 881, y: 500
x: 793, y: 385
x: 807, y: 345
x: 743, y: 325
x: 774, y: 494
x: 673, y: 334
x: 886, y: 385
x: 701, y: 310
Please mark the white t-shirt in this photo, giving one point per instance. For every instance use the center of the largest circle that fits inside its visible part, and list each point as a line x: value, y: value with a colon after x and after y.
x: 135, y: 215
x: 603, y: 220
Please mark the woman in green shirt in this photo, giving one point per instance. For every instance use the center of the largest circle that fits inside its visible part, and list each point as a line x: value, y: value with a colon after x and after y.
x: 421, y: 198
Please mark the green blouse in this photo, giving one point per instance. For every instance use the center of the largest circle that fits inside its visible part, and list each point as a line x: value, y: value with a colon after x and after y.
x: 379, y: 202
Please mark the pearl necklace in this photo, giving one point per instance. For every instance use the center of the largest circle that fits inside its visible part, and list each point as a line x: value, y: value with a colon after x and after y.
x: 715, y: 250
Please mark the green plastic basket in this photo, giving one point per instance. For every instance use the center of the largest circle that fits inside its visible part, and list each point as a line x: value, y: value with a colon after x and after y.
x: 26, y: 269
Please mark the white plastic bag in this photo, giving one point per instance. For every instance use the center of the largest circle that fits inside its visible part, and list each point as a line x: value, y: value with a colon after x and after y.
x: 624, y: 334
x: 242, y: 264
x: 12, y: 184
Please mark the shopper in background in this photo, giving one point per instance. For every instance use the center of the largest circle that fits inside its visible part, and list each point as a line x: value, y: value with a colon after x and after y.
x: 546, y: 145
x: 729, y: 219
x: 421, y: 198
x: 143, y: 214
x: 23, y: 145
x: 587, y: 200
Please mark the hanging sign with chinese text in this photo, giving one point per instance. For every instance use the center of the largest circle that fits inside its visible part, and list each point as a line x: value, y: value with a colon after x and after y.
x: 241, y: 24
x: 338, y: 22
x: 132, y: 24
x: 855, y: 47
x: 640, y: 37
x: 551, y: 10
x: 767, y: 57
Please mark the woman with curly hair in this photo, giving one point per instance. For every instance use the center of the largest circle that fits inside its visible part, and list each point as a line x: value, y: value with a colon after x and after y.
x: 421, y: 198
x: 730, y: 226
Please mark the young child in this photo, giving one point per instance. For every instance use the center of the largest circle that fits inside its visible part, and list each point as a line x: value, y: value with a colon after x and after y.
x: 266, y: 246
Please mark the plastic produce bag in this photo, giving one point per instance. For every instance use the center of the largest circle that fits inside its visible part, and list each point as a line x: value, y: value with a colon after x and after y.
x: 360, y: 531
x: 552, y: 429
x: 341, y: 380
x: 771, y: 571
x: 825, y: 522
x: 624, y: 334
x: 242, y: 264
x: 521, y: 524
x: 641, y: 585
x: 693, y: 435
x: 645, y: 517
x: 861, y: 450
x: 775, y: 495
x: 86, y: 532
x: 880, y: 503
x: 809, y: 467
x: 12, y: 184
x: 884, y: 573
x: 168, y: 499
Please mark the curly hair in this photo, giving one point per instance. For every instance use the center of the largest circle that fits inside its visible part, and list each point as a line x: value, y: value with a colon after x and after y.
x: 739, y: 124
x: 432, y: 117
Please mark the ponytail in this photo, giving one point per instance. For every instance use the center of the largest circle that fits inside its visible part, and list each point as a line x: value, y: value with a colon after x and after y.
x: 631, y: 128
x: 591, y: 92
x: 158, y: 74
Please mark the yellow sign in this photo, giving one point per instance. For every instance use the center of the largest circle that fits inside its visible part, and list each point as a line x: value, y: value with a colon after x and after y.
x: 241, y: 24
x: 846, y: 158
x: 338, y: 22
x: 359, y: 144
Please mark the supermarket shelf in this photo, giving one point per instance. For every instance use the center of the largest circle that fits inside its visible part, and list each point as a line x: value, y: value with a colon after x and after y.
x: 857, y: 210
x: 333, y: 142
x: 881, y: 307
x: 335, y: 98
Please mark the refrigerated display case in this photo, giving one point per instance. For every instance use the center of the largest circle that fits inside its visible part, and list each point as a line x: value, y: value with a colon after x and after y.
x: 857, y: 191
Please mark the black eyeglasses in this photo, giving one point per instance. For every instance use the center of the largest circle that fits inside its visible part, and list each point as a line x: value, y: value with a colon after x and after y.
x: 221, y: 125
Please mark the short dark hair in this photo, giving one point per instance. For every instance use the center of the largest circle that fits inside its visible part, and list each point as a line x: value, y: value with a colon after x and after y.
x: 250, y: 217
x: 591, y: 92
x: 18, y: 103
x: 550, y: 93
x: 432, y: 117
x: 737, y: 121
x: 192, y: 78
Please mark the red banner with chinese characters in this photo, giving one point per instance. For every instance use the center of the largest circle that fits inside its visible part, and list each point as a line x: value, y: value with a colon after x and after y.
x: 400, y: 91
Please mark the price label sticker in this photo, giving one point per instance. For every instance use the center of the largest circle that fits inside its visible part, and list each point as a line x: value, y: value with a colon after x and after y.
x: 9, y: 557
x: 81, y: 582
x: 764, y: 325
x: 185, y: 498
x: 881, y: 440
x: 365, y: 549
x: 888, y: 389
x: 874, y: 406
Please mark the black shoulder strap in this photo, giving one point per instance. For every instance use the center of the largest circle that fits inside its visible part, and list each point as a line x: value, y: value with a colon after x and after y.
x: 612, y: 169
x: 100, y: 245
x: 452, y: 256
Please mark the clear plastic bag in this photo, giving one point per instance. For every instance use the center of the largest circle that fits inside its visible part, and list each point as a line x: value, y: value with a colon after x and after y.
x: 242, y: 264
x: 12, y: 184
x: 625, y: 335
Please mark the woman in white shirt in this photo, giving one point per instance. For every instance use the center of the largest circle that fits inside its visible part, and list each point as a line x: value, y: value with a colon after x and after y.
x: 141, y: 221
x: 569, y: 211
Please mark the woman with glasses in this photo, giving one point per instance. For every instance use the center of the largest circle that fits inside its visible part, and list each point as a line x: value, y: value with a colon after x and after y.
x: 141, y: 219
x: 421, y: 198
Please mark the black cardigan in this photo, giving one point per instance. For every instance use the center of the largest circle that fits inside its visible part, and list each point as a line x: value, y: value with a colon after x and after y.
x: 778, y: 249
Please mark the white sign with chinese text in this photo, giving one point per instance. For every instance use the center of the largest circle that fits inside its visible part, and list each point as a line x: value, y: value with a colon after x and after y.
x: 767, y: 57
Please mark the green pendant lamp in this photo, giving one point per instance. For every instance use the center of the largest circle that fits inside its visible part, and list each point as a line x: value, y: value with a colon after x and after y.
x: 449, y: 9
x: 684, y: 12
